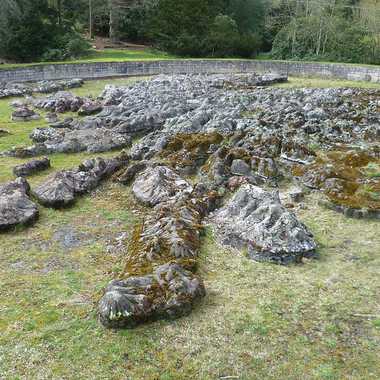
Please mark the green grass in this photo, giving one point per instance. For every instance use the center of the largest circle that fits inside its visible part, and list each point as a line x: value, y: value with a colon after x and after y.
x: 108, y: 55
x: 318, y: 320
x: 305, y: 82
x: 267, y: 57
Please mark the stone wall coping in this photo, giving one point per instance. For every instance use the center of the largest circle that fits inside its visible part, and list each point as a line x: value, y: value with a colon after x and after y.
x: 97, y: 70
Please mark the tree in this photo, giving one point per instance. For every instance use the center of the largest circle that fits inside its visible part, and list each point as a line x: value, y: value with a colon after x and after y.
x: 248, y: 14
x: 328, y: 31
x: 116, y: 7
x: 223, y: 36
x: 182, y: 26
x: 25, y: 30
x: 31, y: 30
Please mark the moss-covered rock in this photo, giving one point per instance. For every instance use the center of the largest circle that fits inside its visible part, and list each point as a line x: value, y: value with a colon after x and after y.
x: 348, y: 177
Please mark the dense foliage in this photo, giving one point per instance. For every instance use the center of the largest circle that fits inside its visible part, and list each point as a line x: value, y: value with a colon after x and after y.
x: 34, y: 30
x: 341, y: 30
x: 208, y: 27
x: 336, y: 30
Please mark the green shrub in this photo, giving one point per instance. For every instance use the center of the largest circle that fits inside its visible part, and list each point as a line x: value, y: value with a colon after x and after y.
x: 53, y: 55
x: 77, y: 47
x: 248, y: 45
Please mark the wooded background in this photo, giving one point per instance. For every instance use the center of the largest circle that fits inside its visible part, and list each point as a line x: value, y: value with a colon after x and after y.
x: 325, y: 30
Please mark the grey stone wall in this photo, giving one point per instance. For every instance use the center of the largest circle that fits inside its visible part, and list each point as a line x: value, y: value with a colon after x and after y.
x: 115, y: 69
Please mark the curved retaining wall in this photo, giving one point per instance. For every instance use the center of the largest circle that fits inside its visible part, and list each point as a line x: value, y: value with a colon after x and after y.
x: 134, y: 68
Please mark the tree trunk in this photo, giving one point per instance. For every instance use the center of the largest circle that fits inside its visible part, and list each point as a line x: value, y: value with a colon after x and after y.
x: 59, y: 6
x: 90, y: 17
x: 113, y: 22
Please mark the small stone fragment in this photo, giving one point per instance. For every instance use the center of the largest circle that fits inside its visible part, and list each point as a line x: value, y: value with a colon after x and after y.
x: 296, y: 194
x: 52, y: 118
x: 31, y: 167
x: 24, y: 114
x: 90, y: 108
x: 240, y: 167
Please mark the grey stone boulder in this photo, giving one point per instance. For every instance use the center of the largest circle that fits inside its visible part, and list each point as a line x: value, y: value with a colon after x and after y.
x: 24, y: 114
x: 158, y: 184
x: 60, y: 102
x: 271, y: 78
x: 40, y: 135
x: 31, y: 167
x: 255, y: 219
x: 57, y: 191
x: 51, y: 140
x: 8, y: 89
x: 296, y: 194
x: 47, y: 87
x: 65, y: 123
x: 51, y: 118
x: 61, y: 189
x: 74, y: 83
x: 129, y: 302
x: 316, y: 114
x: 240, y: 167
x: 90, y: 107
x: 95, y: 141
x: 16, y: 208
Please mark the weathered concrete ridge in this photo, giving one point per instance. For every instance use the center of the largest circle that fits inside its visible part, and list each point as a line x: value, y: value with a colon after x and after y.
x: 135, y: 68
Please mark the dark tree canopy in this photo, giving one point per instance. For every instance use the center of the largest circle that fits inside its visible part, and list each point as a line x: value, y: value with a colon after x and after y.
x: 339, y: 30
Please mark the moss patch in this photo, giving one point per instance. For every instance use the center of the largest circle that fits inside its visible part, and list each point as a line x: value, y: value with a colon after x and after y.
x: 348, y: 177
x: 189, y: 151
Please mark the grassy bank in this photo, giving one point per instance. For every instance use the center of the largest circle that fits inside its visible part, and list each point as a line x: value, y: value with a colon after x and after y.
x: 318, y: 320
x: 125, y: 55
x: 108, y: 55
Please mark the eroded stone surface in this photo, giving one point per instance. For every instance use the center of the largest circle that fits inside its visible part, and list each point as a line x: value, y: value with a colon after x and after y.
x: 159, y: 279
x: 228, y: 133
x: 60, y: 102
x: 90, y: 107
x: 255, y: 219
x: 9, y: 89
x: 169, y: 292
x: 277, y: 124
x: 24, y: 114
x: 16, y: 208
x: 61, y: 189
x: 53, y: 140
x: 158, y: 184
x: 31, y: 167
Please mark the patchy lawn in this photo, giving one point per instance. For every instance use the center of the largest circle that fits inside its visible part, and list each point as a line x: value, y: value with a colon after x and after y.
x: 107, y: 55
x: 318, y: 320
x: 299, y: 82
